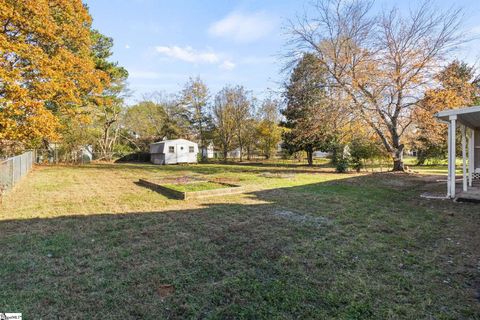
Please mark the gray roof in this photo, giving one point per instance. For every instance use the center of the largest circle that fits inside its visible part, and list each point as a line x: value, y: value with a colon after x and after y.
x: 469, y: 116
x: 174, y: 140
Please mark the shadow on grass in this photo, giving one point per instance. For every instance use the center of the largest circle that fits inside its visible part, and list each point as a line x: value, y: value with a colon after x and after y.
x: 380, y: 252
x: 166, y: 192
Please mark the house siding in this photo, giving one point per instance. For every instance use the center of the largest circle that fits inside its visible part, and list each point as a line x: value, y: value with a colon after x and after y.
x: 160, y: 152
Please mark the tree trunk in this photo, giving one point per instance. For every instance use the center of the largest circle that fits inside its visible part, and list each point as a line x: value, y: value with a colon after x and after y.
x: 225, y: 153
x: 310, y: 156
x: 421, y: 158
x: 398, y: 164
x: 204, y: 147
x: 203, y: 154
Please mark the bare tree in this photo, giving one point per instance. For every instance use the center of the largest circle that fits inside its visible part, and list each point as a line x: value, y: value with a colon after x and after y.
x: 224, y: 120
x: 109, y: 118
x: 195, y: 97
x: 242, y: 104
x: 382, y: 62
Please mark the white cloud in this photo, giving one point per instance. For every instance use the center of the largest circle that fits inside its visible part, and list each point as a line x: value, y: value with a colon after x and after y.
x: 244, y: 27
x: 127, y: 46
x: 227, y: 65
x: 188, y: 54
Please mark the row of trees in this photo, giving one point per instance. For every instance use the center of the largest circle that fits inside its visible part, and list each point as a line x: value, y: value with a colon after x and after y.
x: 366, y: 76
x: 363, y: 82
x: 317, y: 117
x: 232, y: 119
x: 59, y: 90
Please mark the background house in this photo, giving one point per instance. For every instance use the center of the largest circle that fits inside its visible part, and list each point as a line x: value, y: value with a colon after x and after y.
x: 321, y: 154
x: 173, y: 152
x: 210, y: 152
x: 234, y: 154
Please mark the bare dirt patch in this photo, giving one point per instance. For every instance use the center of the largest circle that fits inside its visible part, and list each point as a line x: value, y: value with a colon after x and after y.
x: 165, y: 290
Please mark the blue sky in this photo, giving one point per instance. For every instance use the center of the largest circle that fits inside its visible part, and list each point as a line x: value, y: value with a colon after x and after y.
x: 163, y: 43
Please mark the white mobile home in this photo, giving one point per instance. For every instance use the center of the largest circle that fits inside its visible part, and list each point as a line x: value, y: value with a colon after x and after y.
x: 173, y: 152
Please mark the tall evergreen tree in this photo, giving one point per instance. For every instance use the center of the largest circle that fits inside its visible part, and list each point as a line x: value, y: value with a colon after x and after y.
x: 306, y: 112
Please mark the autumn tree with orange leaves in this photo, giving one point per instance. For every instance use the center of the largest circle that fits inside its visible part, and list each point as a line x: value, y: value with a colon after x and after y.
x: 459, y: 87
x: 47, y: 70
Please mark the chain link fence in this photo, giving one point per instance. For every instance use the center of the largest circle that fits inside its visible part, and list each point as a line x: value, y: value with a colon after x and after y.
x: 13, y: 169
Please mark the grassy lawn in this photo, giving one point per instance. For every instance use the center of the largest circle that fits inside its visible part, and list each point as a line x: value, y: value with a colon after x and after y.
x: 90, y: 242
x: 195, y: 186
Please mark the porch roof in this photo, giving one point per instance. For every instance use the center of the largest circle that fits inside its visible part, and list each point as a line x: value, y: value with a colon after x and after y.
x: 469, y: 116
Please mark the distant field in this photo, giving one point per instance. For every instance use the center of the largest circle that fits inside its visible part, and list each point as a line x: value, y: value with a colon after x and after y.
x: 90, y: 242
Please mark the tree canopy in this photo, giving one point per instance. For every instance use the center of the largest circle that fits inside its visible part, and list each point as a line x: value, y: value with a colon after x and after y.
x: 458, y: 87
x: 308, y: 113
x: 46, y: 68
x: 382, y: 62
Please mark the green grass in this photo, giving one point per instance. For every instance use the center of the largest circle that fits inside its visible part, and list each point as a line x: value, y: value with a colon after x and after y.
x: 195, y: 186
x: 89, y: 242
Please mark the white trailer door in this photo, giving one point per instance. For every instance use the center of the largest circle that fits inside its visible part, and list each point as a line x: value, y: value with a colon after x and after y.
x: 182, y: 153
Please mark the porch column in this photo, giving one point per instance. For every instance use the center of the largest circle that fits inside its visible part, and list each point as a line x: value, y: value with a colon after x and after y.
x: 449, y: 151
x: 464, y: 157
x: 471, y: 157
x: 452, y: 128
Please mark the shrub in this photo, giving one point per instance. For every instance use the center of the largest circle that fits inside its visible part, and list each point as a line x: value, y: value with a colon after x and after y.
x: 342, y: 165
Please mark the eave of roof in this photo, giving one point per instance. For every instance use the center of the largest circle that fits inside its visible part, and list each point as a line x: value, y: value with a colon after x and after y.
x: 468, y: 116
x: 173, y: 140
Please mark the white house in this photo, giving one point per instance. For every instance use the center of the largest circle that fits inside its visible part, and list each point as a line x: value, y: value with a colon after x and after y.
x: 234, y: 154
x: 209, y: 152
x: 468, y: 119
x: 173, y: 152
x: 320, y: 154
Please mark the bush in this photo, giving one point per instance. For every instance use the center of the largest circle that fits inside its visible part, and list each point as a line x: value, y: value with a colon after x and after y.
x: 361, y: 149
x: 340, y: 157
x: 342, y: 165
